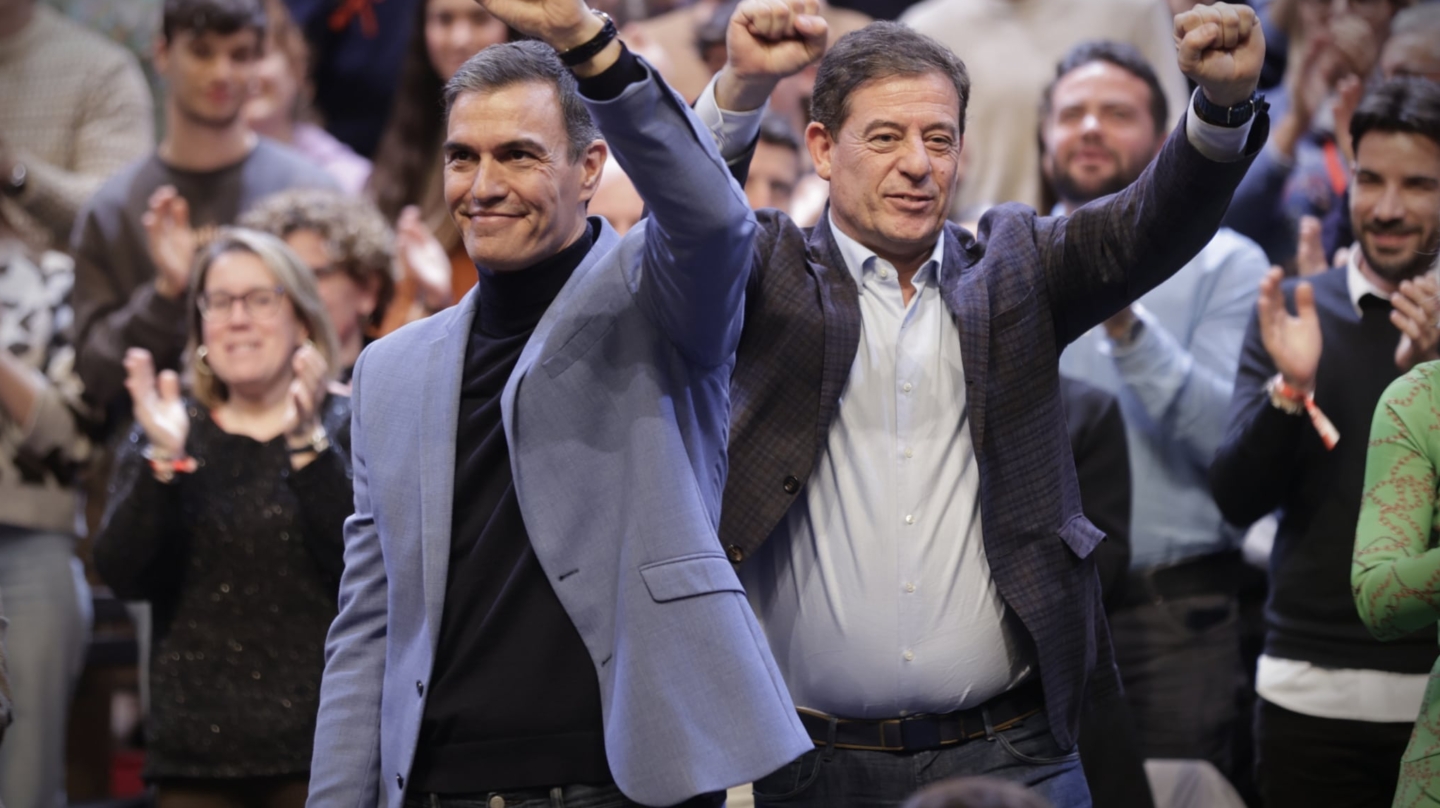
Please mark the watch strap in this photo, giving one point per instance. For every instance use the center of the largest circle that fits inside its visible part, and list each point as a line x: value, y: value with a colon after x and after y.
x: 1230, y: 117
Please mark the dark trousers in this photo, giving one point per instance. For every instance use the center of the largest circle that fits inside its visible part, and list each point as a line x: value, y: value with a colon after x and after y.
x: 579, y: 796
x: 240, y: 792
x: 1307, y: 762
x: 1180, y: 662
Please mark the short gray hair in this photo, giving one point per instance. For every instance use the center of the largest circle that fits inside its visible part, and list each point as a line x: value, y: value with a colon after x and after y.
x: 880, y: 50
x: 501, y: 66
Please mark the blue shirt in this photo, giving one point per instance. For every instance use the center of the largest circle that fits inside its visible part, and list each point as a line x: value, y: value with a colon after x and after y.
x: 1174, y: 383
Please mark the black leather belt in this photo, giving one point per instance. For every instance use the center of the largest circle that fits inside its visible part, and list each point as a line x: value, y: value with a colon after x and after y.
x: 917, y: 733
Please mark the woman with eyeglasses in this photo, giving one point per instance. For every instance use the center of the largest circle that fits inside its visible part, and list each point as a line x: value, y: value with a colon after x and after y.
x: 226, y: 512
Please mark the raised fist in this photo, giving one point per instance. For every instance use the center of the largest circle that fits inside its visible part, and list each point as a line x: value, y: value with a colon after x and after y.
x: 1221, y: 48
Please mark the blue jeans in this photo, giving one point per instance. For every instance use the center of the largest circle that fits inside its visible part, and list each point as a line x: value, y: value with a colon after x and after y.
x: 1025, y: 753
x: 579, y: 796
x: 44, y: 595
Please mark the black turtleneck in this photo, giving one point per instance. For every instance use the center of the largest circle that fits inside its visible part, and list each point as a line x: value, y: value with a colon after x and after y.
x: 514, y: 701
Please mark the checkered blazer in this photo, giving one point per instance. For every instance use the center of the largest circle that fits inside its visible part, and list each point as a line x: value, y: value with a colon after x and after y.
x: 1021, y: 289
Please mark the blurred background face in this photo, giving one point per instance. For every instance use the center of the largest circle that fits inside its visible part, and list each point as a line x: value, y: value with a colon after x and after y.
x: 1395, y: 203
x: 209, y: 75
x: 347, y: 302
x: 455, y: 30
x: 249, y: 350
x: 774, y: 172
x: 277, y: 90
x: 1099, y: 135
x: 616, y: 199
x: 1412, y: 54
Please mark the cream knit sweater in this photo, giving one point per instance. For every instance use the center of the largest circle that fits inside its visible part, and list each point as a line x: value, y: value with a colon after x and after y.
x: 74, y: 109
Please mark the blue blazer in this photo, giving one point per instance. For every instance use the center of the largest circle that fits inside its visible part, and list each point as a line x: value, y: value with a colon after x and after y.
x: 616, y: 418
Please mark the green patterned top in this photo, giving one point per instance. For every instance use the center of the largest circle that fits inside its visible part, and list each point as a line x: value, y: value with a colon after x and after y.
x: 1395, y: 574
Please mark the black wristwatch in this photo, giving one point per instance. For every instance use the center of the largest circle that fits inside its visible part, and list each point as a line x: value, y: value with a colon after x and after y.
x: 14, y: 182
x: 1229, y: 116
x: 580, y: 54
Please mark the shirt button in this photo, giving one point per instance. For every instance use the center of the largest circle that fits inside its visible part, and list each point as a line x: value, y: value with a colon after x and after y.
x: 419, y: 687
x: 791, y: 484
x: 909, y: 656
x: 909, y: 587
x: 909, y: 452
x: 735, y: 553
x: 909, y: 518
x: 884, y: 274
x: 400, y: 781
x: 497, y: 801
x: 907, y: 387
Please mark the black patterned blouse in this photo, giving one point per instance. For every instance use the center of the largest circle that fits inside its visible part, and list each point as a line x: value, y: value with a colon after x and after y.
x: 241, y: 562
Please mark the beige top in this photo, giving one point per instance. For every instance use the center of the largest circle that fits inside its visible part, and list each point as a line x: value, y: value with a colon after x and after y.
x: 75, y: 108
x: 1010, y: 48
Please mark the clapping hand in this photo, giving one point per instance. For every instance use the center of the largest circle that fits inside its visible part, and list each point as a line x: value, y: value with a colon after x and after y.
x: 1222, y: 49
x: 1292, y: 340
x: 1417, y: 315
x: 170, y: 239
x: 423, y: 259
x: 156, y: 403
x: 307, y: 390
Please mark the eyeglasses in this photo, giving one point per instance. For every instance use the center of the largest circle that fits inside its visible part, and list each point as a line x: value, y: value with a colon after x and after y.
x: 262, y: 304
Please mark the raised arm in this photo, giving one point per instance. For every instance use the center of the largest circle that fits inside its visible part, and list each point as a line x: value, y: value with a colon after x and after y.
x: 1396, y: 566
x: 1113, y: 250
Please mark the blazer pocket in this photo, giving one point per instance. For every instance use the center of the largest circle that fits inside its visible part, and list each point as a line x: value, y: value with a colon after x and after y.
x: 577, y: 345
x: 689, y: 576
x: 1081, y: 536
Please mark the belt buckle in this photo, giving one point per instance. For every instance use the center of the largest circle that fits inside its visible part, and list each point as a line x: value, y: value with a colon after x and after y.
x: 919, y: 733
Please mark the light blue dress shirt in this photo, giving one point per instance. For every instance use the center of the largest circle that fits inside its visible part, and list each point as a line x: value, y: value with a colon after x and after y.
x: 878, y: 599
x: 1174, y: 383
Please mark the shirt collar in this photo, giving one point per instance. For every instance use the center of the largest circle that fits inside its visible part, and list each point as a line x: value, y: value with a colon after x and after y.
x: 1358, y: 284
x: 860, y: 259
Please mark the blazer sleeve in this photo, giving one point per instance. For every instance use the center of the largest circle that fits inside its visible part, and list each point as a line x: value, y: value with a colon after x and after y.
x: 1396, y: 565
x: 1108, y: 253
x: 345, y: 769
x: 697, y: 239
x: 1102, y: 466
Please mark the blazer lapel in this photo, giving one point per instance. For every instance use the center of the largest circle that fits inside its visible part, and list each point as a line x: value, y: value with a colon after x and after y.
x: 968, y: 299
x: 840, y: 307
x: 438, y: 395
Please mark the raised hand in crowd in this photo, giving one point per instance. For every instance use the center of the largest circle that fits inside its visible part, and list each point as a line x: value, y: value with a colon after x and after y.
x: 306, y: 394
x: 170, y: 239
x: 423, y: 258
x: 1310, y: 258
x: 1292, y: 340
x: 768, y: 40
x: 1221, y: 48
x: 1417, y: 315
x: 157, y: 404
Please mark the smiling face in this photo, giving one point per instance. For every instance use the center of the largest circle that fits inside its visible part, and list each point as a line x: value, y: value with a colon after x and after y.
x: 209, y: 75
x: 455, y: 30
x: 509, y: 182
x: 893, y: 164
x: 250, y: 352
x: 1099, y: 134
x: 1395, y: 203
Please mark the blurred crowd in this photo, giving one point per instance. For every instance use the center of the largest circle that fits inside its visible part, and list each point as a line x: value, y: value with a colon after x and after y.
x: 209, y: 208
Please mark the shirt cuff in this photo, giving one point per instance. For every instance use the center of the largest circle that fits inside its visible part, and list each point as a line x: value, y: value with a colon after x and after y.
x: 608, y: 84
x: 733, y: 131
x: 1223, y: 144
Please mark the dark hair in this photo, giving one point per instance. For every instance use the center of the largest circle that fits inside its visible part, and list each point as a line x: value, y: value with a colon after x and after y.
x: 1124, y: 56
x: 212, y: 16
x: 1403, y: 104
x: 776, y: 131
x: 411, y: 141
x: 878, y: 51
x: 358, y: 237
x: 501, y: 66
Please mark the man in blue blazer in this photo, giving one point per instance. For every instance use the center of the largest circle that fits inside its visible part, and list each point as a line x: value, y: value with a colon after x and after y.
x: 535, y: 608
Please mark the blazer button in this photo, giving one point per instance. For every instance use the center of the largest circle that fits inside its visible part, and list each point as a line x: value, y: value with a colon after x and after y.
x: 419, y: 687
x: 791, y: 484
x: 736, y: 554
x: 400, y: 781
